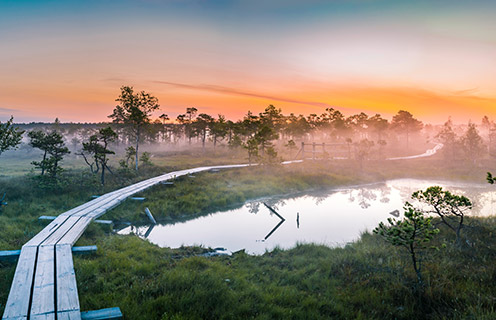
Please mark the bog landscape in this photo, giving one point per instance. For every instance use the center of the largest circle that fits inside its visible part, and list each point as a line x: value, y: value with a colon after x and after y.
x: 247, y: 160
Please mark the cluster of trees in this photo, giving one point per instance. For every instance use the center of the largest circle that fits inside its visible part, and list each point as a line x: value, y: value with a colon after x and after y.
x: 331, y: 125
x: 260, y: 135
x: 468, y: 144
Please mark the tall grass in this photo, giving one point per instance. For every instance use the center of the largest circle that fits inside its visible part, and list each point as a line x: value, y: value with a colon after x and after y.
x: 368, y: 279
x: 364, y: 280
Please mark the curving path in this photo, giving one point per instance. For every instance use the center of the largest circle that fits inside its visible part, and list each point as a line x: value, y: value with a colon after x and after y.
x: 44, y: 285
x: 428, y: 153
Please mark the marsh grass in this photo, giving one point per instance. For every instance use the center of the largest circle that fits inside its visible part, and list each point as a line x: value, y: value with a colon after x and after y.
x: 367, y: 279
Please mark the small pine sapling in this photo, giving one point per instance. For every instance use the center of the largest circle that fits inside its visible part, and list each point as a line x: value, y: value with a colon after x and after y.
x: 413, y: 232
x: 451, y: 208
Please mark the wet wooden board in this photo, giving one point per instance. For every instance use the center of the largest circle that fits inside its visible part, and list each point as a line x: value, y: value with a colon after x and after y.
x: 43, y: 299
x: 70, y: 315
x: 18, y: 301
x: 67, y: 296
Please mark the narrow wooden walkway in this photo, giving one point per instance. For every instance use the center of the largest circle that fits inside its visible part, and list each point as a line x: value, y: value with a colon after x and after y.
x: 44, y: 285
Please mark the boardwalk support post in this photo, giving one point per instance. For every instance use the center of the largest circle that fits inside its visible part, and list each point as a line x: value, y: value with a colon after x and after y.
x: 150, y: 216
x: 102, y: 314
x: 13, y: 255
x: 95, y: 221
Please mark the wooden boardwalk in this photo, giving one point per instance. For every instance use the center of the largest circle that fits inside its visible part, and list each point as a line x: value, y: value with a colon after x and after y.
x: 44, y: 285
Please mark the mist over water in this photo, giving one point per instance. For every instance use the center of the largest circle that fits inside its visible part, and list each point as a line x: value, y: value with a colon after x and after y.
x: 332, y: 217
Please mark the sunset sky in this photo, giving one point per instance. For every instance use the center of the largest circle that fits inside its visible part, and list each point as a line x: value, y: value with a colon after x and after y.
x: 68, y: 59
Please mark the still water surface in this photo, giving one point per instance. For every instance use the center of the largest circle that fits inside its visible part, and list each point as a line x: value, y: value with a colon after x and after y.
x: 332, y: 217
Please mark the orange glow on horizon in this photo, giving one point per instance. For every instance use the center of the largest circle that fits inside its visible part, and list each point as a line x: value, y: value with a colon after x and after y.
x: 86, y: 105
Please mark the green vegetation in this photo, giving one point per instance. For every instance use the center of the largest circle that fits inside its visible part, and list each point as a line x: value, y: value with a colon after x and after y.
x: 97, y: 148
x: 210, y: 191
x: 134, y: 111
x: 451, y: 208
x: 10, y: 136
x: 54, y: 149
x: 413, y: 232
x: 368, y: 279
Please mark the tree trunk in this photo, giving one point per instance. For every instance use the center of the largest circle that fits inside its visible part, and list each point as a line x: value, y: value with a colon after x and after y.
x: 407, y: 140
x: 102, y: 179
x: 43, y: 163
x: 416, y: 266
x: 137, y: 145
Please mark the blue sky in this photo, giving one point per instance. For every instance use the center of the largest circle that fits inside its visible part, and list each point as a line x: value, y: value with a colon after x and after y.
x: 67, y: 59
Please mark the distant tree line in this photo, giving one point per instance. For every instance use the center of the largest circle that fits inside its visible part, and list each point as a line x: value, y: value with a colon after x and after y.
x: 262, y: 136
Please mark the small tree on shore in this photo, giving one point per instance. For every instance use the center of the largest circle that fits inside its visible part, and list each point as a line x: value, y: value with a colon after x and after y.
x: 413, y: 232
x: 451, y: 208
x: 10, y: 136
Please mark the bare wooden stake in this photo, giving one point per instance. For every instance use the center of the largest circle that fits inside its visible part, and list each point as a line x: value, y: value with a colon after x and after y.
x: 150, y: 216
x: 274, y: 211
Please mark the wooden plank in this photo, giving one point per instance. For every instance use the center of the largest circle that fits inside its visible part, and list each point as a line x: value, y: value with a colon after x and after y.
x: 274, y: 211
x: 76, y: 231
x: 9, y: 255
x: 47, y: 218
x: 61, y: 231
x: 46, y: 232
x: 110, y: 313
x: 103, y: 221
x: 69, y: 315
x: 84, y: 249
x: 88, y: 204
x: 66, y: 288
x: 95, y: 221
x: 109, y: 203
x: 94, y: 204
x: 47, y: 316
x: 150, y: 216
x: 64, y: 231
x: 12, y: 255
x: 18, y: 301
x: 43, y: 298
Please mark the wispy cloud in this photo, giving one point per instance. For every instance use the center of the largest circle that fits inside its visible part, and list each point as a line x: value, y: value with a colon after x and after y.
x: 466, y: 91
x: 7, y: 110
x: 232, y: 91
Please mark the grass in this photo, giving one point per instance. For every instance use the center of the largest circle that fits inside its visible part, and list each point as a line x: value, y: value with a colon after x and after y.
x: 209, y: 192
x: 364, y: 280
x: 367, y: 279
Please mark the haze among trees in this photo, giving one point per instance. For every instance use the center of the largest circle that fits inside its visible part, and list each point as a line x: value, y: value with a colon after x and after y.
x: 266, y: 137
x: 418, y: 261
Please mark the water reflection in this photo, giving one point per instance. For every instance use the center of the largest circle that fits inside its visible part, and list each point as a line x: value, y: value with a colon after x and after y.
x: 332, y: 217
x: 273, y: 230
